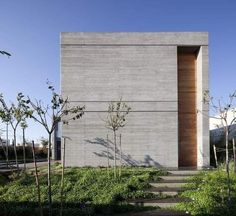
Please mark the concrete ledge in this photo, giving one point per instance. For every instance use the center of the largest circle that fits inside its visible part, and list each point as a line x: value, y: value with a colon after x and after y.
x: 134, y: 38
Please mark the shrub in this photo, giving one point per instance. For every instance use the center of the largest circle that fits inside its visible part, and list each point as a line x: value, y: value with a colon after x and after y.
x: 3, y: 180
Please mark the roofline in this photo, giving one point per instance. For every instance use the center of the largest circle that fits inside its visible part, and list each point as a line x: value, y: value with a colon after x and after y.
x: 135, y: 38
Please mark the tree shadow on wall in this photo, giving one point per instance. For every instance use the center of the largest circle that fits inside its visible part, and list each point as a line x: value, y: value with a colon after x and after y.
x: 109, y: 150
x: 149, y: 161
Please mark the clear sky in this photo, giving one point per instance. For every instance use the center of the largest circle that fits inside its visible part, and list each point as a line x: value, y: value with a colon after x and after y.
x: 30, y: 31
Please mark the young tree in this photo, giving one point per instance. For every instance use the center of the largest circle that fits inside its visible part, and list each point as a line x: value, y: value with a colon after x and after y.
x: 14, y: 115
x: 49, y: 116
x: 23, y: 127
x: 116, y: 118
x: 225, y: 113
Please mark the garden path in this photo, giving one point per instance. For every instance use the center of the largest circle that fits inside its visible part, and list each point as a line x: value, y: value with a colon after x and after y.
x: 169, y: 186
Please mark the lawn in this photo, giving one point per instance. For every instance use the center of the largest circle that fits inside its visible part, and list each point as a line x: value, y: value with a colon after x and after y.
x: 88, y: 191
x: 208, y: 193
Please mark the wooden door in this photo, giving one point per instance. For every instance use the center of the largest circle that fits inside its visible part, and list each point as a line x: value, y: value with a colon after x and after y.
x: 187, y: 109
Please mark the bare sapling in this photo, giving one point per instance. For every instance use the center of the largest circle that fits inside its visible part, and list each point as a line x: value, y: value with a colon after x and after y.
x: 116, y: 118
x: 23, y: 127
x: 49, y: 117
x: 225, y: 113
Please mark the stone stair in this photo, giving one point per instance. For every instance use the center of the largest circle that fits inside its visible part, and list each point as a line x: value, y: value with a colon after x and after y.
x: 169, y: 187
x: 162, y: 203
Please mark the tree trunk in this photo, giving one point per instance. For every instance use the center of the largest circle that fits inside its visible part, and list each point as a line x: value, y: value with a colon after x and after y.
x: 120, y: 158
x: 214, y: 148
x: 15, y: 151
x: 62, y: 174
x: 227, y: 163
x: 6, y: 155
x: 114, y: 154
x: 234, y: 153
x: 49, y: 176
x: 7, y: 147
x: 37, y: 180
x: 24, y: 149
x: 108, y: 163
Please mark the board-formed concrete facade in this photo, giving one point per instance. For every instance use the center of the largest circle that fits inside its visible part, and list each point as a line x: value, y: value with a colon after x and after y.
x: 142, y: 69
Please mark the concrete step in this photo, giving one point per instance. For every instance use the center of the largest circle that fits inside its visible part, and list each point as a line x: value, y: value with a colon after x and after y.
x: 157, y: 212
x: 173, y: 181
x: 170, y: 191
x: 183, y: 172
x: 175, y: 177
x: 167, y: 184
x: 162, y: 203
x: 162, y: 192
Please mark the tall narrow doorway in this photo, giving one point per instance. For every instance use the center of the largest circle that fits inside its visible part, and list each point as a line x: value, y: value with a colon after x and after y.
x: 187, y: 107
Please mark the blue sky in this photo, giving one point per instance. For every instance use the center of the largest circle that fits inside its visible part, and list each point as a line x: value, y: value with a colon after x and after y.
x: 30, y: 31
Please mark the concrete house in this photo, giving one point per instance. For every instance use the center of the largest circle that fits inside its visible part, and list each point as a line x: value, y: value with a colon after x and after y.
x: 161, y: 76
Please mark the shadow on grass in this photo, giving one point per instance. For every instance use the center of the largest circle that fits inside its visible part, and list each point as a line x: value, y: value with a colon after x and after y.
x: 69, y: 209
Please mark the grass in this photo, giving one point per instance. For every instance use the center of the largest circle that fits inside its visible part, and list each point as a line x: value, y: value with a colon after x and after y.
x: 93, y: 188
x: 3, y: 180
x: 208, y: 194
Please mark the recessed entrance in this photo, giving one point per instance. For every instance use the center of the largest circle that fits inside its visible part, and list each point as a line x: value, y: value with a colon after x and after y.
x: 187, y: 106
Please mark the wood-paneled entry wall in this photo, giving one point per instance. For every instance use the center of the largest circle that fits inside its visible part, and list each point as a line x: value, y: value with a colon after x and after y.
x: 187, y: 108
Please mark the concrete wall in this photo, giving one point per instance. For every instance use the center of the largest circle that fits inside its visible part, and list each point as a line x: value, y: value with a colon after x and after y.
x: 97, y: 68
x: 203, y: 143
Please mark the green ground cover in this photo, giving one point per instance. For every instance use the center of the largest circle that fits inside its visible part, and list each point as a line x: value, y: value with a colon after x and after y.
x: 92, y: 190
x: 208, y: 194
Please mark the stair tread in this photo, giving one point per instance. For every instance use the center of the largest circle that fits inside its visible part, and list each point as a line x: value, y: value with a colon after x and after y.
x: 162, y: 189
x: 182, y: 175
x: 173, y: 181
x: 167, y: 184
x: 165, y: 200
x: 157, y: 212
